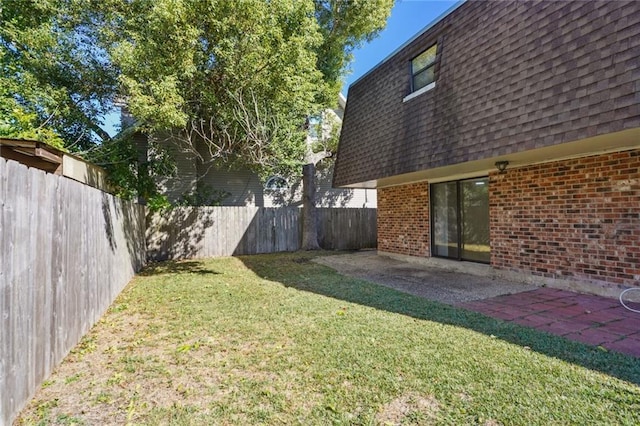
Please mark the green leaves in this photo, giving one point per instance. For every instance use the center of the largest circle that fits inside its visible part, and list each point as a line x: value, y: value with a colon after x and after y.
x: 54, y: 70
x: 345, y: 25
x: 17, y: 123
x: 237, y: 77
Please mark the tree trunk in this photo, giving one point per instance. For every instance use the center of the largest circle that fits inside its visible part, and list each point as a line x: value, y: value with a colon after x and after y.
x: 309, y: 212
x: 141, y: 143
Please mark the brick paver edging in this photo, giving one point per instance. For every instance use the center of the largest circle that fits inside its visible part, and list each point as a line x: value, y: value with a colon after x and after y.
x: 593, y: 320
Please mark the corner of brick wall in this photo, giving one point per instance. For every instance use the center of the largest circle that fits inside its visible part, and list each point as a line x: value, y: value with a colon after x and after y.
x: 403, y: 219
x: 576, y: 219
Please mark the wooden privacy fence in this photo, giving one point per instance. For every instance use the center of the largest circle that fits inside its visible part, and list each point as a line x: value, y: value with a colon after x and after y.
x: 66, y: 252
x: 195, y: 232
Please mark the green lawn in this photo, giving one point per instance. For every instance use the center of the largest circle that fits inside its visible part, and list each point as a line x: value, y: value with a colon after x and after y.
x: 278, y: 339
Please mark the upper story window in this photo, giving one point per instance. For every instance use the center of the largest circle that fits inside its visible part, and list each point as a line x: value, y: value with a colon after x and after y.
x: 423, y: 69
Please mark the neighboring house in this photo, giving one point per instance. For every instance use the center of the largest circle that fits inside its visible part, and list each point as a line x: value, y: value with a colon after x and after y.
x: 41, y: 156
x: 508, y: 133
x: 244, y: 188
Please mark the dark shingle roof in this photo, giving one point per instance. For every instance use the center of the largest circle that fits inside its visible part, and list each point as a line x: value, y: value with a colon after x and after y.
x: 512, y: 76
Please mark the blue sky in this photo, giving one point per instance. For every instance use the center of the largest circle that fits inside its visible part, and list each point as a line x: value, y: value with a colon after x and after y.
x: 407, y: 18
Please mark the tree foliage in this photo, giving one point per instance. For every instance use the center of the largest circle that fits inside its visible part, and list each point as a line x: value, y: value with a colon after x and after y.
x: 238, y: 77
x: 344, y: 26
x: 233, y: 79
x: 53, y: 70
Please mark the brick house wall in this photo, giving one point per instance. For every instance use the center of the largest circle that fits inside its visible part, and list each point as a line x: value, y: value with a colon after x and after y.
x: 403, y: 219
x: 577, y: 219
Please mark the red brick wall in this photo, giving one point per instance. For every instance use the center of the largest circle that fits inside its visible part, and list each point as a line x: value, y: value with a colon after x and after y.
x: 403, y: 219
x: 577, y: 219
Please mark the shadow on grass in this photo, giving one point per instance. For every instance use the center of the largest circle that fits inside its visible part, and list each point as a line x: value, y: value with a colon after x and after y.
x: 297, y: 271
x: 176, y: 267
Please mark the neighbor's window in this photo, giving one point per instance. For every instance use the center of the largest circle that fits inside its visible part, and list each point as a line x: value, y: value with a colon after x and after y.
x: 423, y: 68
x: 314, y: 126
x: 276, y: 183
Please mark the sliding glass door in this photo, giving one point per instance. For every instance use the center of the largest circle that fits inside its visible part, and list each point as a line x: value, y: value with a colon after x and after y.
x: 460, y: 220
x: 444, y: 208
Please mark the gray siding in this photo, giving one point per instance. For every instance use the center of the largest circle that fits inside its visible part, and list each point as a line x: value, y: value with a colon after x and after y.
x: 194, y: 170
x: 244, y: 187
x: 327, y: 196
x: 186, y: 160
x: 247, y: 190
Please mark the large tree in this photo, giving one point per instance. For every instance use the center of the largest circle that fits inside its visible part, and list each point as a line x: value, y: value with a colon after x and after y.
x: 344, y: 25
x: 237, y: 77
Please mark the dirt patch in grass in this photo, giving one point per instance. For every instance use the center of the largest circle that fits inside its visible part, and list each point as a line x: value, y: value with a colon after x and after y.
x: 126, y: 366
x: 409, y: 409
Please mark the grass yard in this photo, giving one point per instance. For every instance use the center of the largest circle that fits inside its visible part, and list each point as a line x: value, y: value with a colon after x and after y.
x: 278, y: 339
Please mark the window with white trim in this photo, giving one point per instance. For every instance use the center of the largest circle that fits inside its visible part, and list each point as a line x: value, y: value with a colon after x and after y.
x: 423, y: 69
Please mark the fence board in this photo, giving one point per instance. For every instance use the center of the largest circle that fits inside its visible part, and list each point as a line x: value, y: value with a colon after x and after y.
x: 4, y: 291
x: 19, y: 187
x: 56, y: 236
x: 347, y: 229
x: 225, y: 231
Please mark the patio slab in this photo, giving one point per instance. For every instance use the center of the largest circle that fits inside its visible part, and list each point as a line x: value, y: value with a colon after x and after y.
x: 433, y: 283
x: 594, y: 320
x: 590, y: 319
